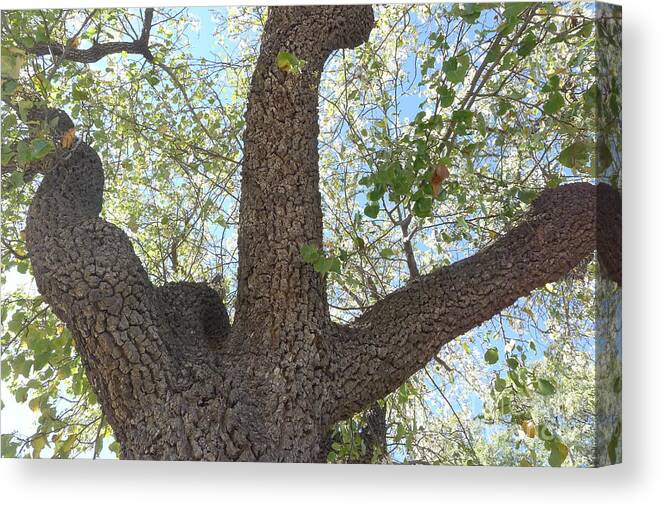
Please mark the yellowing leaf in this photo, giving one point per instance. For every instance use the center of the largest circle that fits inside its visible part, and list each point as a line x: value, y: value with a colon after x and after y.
x: 38, y: 443
x: 68, y: 138
x: 439, y: 175
x: 559, y: 452
x: 68, y: 443
x: 12, y: 63
x: 529, y: 428
x: 287, y: 62
x: 34, y: 404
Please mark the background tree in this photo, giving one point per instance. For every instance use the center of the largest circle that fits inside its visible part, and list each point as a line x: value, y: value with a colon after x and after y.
x: 507, y: 98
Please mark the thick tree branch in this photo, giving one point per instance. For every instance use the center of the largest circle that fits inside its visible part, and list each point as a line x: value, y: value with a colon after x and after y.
x: 402, y: 332
x: 135, y: 340
x: 98, y: 51
x: 280, y: 199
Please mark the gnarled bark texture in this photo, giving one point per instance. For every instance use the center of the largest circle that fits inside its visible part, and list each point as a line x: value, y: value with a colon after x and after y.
x: 176, y: 381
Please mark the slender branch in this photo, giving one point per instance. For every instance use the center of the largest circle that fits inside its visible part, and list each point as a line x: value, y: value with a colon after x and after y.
x: 456, y: 416
x: 98, y: 434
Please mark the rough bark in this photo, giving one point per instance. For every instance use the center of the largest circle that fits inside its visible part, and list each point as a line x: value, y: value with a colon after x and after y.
x: 177, y: 382
x: 280, y: 199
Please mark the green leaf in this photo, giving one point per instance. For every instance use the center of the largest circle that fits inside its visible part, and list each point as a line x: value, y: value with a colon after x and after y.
x: 372, y: 210
x: 5, y: 369
x: 21, y: 394
x: 514, y: 9
x: 554, y: 103
x: 492, y: 55
x: 470, y: 12
x: 333, y: 265
x: 544, y: 387
x: 491, y: 355
x: 500, y: 383
x: 544, y: 433
x: 387, y: 253
x: 508, y: 61
x: 38, y: 443
x: 455, y: 68
x: 116, y: 448
x: 446, y: 96
x: 505, y: 405
x: 13, y: 60
x: 527, y: 45
x: 8, y: 446
x: 575, y: 155
x: 586, y: 30
x: 462, y: 224
x: 526, y: 196
x: 462, y: 116
x: 152, y: 79
x: 79, y: 94
x: 559, y: 452
x: 503, y: 107
x: 423, y: 207
x: 22, y: 152
x: 604, y: 156
x: 23, y: 107
x: 310, y: 253
x: 34, y: 404
x: 9, y: 86
x: 553, y: 84
x: 450, y: 64
x: 39, y: 148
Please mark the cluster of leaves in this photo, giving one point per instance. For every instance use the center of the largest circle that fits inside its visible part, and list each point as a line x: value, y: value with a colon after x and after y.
x: 510, y: 394
x: 25, y: 142
x: 288, y: 62
x: 41, y: 369
x: 321, y: 262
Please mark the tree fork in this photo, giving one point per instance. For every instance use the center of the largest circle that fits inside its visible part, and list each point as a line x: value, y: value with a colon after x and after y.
x: 177, y: 382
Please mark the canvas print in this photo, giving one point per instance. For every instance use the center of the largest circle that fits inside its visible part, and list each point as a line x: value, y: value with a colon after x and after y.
x: 385, y: 234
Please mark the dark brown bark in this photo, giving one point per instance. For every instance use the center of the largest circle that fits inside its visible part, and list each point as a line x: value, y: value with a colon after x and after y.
x: 280, y: 199
x: 177, y: 382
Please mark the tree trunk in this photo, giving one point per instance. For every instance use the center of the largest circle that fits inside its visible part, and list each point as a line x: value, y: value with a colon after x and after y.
x: 176, y: 381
